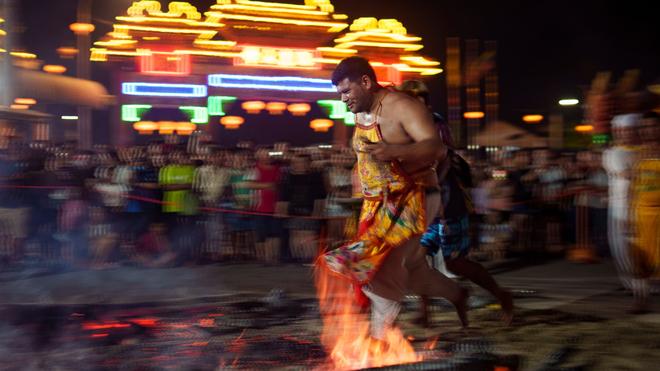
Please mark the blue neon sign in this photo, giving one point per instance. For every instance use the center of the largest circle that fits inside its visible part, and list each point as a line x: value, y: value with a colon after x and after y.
x: 164, y: 90
x: 286, y: 83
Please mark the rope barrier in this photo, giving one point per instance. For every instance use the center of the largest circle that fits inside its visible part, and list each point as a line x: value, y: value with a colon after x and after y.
x: 204, y: 208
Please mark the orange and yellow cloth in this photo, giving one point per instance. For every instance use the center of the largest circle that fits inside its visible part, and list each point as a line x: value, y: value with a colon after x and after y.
x: 392, y: 213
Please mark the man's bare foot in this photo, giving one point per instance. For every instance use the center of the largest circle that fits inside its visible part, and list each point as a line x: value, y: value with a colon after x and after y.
x: 506, y: 301
x: 462, y: 307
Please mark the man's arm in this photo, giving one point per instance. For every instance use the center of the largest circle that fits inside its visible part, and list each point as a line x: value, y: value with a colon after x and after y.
x: 417, y: 122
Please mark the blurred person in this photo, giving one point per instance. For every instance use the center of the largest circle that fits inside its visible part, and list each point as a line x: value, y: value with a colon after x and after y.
x: 129, y: 221
x: 397, y: 148
x: 619, y: 161
x: 449, y: 232
x: 73, y: 227
x: 239, y: 196
x: 152, y: 249
x: 596, y: 181
x: 339, y: 184
x: 210, y: 181
x: 523, y: 210
x: 145, y: 191
x: 268, y: 176
x: 103, y: 238
x: 645, y: 245
x: 14, y: 213
x: 176, y: 180
x: 551, y: 178
x: 211, y: 178
x: 179, y: 204
x: 110, y: 194
x: 302, y: 193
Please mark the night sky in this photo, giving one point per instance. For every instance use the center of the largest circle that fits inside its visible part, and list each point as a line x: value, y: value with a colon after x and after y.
x: 547, y: 49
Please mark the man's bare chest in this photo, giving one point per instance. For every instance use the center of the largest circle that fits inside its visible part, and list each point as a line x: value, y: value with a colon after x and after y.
x: 392, y: 132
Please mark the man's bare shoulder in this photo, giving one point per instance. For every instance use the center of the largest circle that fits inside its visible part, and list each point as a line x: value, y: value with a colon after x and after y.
x: 398, y: 99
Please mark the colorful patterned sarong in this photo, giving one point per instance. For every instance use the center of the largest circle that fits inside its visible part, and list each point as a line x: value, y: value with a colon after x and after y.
x: 392, y: 213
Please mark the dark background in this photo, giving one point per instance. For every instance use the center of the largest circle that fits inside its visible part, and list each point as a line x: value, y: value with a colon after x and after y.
x: 547, y: 50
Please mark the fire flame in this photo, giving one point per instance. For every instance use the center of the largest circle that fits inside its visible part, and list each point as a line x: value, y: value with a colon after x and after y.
x: 346, y: 329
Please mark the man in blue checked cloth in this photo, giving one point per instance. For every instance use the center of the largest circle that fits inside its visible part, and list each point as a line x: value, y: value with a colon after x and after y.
x: 448, y: 236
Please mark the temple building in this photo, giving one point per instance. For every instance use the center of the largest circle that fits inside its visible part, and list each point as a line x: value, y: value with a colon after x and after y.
x: 245, y: 62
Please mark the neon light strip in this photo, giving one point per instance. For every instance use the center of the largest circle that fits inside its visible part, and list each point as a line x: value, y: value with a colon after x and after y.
x: 271, y: 83
x: 119, y: 35
x: 115, y: 43
x: 216, y: 105
x: 327, y: 60
x: 209, y: 53
x: 279, y: 5
x: 335, y: 50
x: 216, y: 43
x: 198, y: 115
x: 164, y: 29
x: 136, y: 53
x: 100, y: 54
x: 164, y: 90
x: 353, y: 36
x: 23, y: 55
x: 337, y: 108
x: 334, y: 27
x: 237, y: 7
x: 407, y: 47
x: 419, y: 61
x: 187, y: 22
x: 421, y: 70
x: 133, y: 112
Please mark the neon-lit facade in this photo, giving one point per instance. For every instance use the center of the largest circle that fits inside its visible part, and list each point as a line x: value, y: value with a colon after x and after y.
x: 163, y: 90
x: 202, y: 61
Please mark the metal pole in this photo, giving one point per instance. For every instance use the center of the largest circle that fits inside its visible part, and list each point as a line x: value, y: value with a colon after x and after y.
x: 83, y: 41
x: 6, y: 95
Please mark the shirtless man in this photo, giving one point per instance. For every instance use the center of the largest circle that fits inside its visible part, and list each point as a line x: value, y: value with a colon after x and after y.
x: 397, y: 147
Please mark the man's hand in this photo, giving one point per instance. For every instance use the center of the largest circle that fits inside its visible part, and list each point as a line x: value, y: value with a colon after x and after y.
x: 383, y: 152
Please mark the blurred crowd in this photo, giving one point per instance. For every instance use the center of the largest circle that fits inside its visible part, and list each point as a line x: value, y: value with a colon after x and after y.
x: 168, y: 204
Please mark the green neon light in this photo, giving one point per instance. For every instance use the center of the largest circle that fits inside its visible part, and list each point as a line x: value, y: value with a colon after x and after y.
x: 133, y: 112
x: 349, y: 119
x: 600, y: 139
x: 337, y: 108
x: 198, y: 115
x: 338, y: 111
x: 216, y: 105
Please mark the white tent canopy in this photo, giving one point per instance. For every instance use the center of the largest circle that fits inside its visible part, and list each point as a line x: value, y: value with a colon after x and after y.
x: 59, y: 89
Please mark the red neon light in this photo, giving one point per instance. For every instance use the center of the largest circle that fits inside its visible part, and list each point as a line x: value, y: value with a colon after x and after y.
x: 164, y: 63
x: 145, y: 322
x: 266, y: 56
x: 95, y: 326
x: 388, y: 74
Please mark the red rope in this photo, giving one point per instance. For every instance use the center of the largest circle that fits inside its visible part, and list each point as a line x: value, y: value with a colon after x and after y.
x: 209, y: 209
